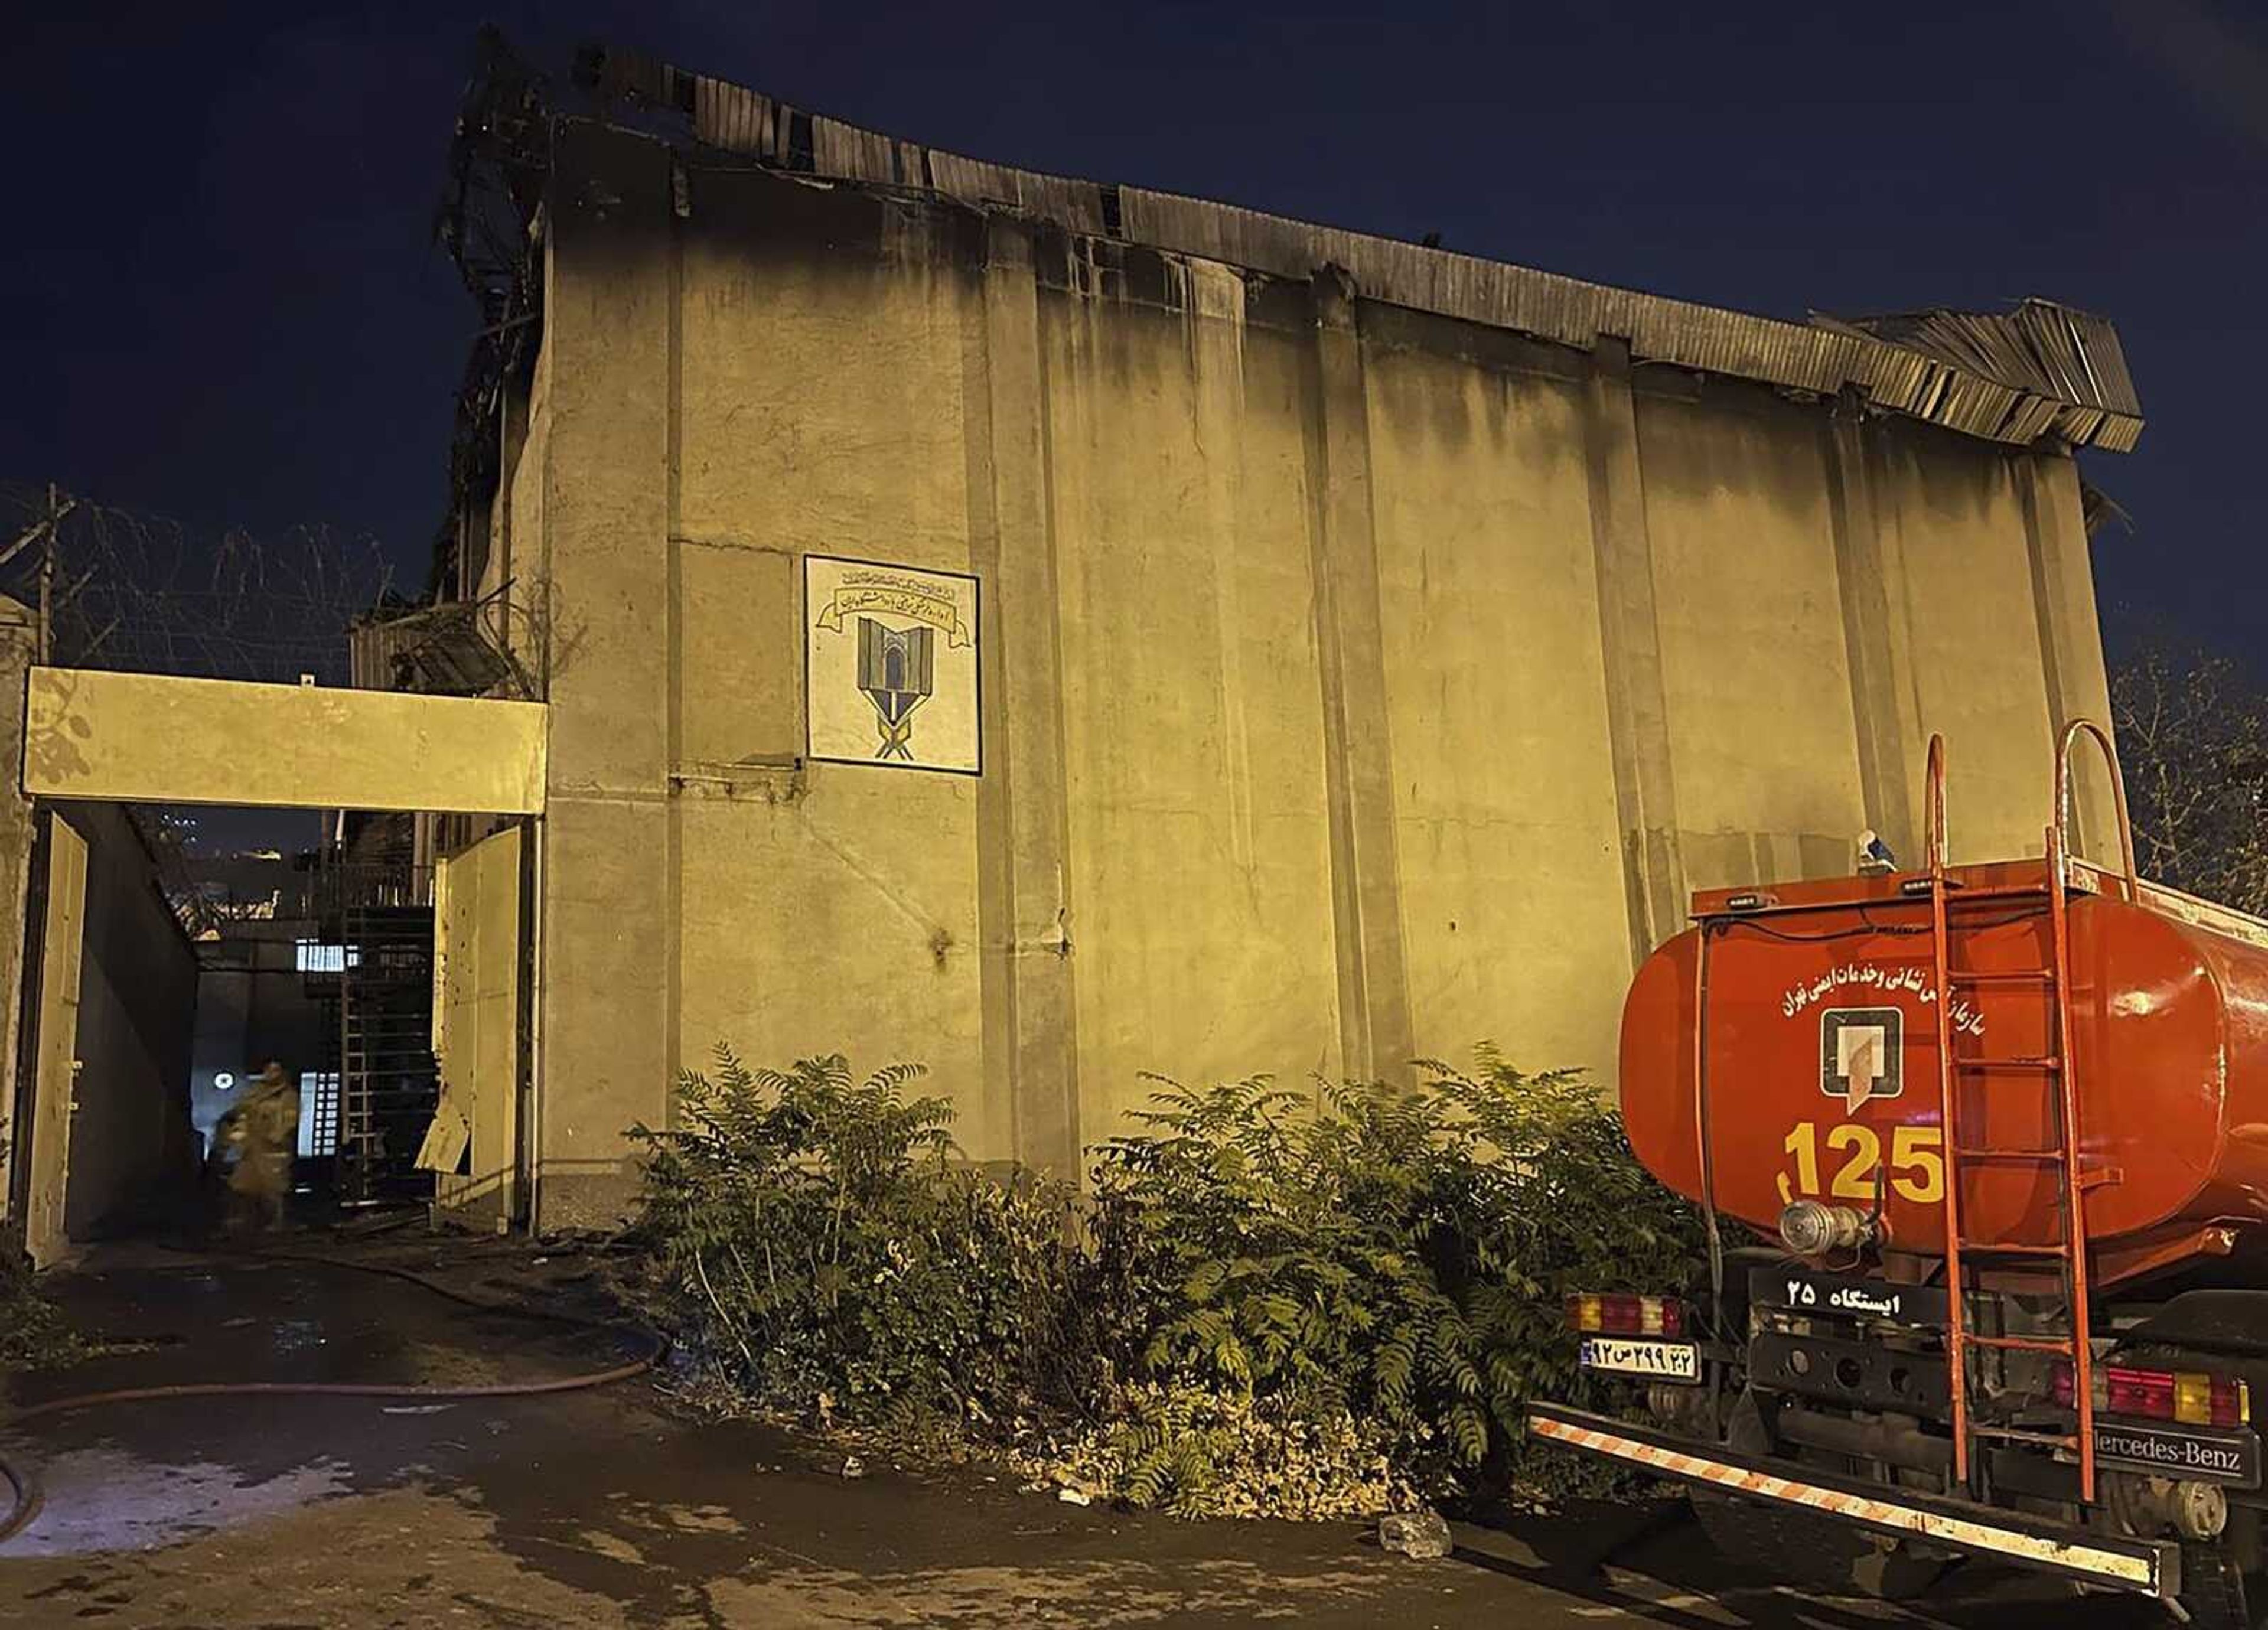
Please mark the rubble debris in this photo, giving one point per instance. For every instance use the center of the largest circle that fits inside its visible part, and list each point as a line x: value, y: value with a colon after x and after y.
x: 1421, y: 1534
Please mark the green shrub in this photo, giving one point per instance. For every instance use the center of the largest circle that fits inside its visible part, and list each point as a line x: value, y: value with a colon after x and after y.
x: 1273, y: 1302
x: 1201, y: 1451
x: 1400, y: 1256
x: 34, y: 1332
x: 818, y: 1239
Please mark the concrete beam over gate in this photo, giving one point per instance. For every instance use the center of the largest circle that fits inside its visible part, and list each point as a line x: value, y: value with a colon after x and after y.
x: 152, y: 738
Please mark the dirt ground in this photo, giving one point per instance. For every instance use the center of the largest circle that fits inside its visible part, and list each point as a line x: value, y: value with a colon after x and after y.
x: 612, y: 1510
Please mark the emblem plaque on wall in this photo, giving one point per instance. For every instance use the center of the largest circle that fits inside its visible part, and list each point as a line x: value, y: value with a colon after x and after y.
x: 890, y: 666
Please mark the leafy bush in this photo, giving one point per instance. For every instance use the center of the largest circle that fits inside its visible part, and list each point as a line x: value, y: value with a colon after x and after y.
x: 34, y: 1332
x: 1200, y: 1451
x: 1294, y: 1303
x: 817, y: 1236
x: 1397, y: 1256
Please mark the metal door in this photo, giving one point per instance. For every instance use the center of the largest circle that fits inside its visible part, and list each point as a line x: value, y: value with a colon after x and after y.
x: 478, y: 955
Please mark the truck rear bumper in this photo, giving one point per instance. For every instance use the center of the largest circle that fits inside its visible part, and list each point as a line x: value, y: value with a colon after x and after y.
x: 2151, y: 1568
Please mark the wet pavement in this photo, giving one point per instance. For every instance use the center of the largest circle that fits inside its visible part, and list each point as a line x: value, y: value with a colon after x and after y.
x: 609, y: 1510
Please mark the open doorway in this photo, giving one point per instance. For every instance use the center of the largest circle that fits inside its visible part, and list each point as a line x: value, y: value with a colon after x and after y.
x: 378, y: 966
x: 317, y: 946
x: 383, y: 967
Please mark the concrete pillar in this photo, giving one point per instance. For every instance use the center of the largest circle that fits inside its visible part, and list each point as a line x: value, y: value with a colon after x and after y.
x: 18, y: 640
x: 1374, y: 1021
x: 1891, y: 748
x: 1024, y: 906
x: 511, y: 437
x: 2071, y: 639
x: 1630, y: 639
x: 605, y: 1034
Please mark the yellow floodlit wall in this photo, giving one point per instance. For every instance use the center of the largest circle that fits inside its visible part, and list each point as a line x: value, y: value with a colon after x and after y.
x: 151, y: 738
x: 1358, y: 684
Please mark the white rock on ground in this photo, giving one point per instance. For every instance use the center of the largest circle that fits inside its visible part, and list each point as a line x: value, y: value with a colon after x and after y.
x: 1416, y: 1533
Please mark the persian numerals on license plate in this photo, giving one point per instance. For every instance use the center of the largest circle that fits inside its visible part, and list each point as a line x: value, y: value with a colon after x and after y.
x: 1671, y: 1360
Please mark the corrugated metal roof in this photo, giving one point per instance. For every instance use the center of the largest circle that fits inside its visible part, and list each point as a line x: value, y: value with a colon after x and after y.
x: 2009, y: 377
x: 2066, y: 366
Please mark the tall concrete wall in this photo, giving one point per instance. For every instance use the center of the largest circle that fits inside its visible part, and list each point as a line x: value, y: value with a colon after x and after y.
x: 132, y: 1150
x: 1357, y: 685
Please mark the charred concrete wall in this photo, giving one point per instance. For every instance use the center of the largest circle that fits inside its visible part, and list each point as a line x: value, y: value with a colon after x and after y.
x: 1358, y: 684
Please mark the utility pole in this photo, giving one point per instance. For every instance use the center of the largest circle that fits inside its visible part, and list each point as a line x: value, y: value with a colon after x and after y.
x: 47, y: 532
x: 47, y: 577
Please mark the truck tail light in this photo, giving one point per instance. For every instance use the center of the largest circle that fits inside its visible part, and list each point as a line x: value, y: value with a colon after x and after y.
x: 1626, y: 1316
x: 2190, y: 1397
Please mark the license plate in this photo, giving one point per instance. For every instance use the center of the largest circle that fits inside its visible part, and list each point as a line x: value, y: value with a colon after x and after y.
x: 1847, y: 1295
x: 2202, y: 1454
x: 1671, y: 1360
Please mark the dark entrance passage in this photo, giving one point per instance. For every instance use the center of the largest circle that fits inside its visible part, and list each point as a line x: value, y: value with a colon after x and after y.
x: 318, y: 959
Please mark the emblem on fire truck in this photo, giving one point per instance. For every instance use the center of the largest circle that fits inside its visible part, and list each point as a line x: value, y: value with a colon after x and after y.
x: 1861, y: 1054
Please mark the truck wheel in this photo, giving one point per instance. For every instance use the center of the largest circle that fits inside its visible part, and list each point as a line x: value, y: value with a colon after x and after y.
x: 2223, y: 1586
x: 2213, y: 1594
x: 1796, y: 1547
x: 1801, y: 1547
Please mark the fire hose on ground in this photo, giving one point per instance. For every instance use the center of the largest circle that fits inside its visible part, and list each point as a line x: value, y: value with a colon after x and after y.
x: 24, y: 1495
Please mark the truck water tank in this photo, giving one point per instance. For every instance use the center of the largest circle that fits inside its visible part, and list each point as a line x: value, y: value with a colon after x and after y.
x: 1818, y: 1021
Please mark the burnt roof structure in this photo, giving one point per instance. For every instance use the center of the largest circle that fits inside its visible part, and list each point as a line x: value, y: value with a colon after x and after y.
x: 2040, y: 372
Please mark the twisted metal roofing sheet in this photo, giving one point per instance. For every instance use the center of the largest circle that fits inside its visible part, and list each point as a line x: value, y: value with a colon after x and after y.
x: 2006, y: 377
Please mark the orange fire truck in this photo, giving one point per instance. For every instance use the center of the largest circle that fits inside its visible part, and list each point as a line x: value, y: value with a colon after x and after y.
x: 1983, y: 1153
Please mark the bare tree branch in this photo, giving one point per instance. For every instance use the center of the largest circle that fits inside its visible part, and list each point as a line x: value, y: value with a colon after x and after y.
x: 2193, y: 733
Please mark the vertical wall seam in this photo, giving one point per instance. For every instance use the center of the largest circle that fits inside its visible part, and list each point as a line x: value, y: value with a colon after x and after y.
x: 543, y: 602
x: 672, y: 948
x: 1001, y: 691
x: 1630, y: 650
x: 1869, y: 660
x: 1393, y: 1025
x: 2070, y: 635
x: 1629, y: 808
x: 1900, y: 608
x: 1354, y: 1021
x: 1212, y: 377
x: 2028, y: 493
x: 1028, y: 997
x: 2028, y: 497
x: 1051, y: 562
x: 1377, y: 1025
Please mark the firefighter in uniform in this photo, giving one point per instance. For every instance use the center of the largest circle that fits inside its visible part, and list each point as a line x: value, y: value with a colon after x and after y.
x: 263, y: 1128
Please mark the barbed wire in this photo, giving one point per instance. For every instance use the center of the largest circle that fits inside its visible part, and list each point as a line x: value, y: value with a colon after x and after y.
x: 132, y: 590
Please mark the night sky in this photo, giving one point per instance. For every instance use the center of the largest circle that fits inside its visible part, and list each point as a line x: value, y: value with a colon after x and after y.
x: 223, y: 304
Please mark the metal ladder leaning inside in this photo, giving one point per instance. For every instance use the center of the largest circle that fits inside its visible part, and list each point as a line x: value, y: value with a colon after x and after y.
x: 2064, y: 1259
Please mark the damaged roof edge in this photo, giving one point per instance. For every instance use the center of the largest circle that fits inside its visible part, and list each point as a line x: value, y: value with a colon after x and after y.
x: 2041, y: 371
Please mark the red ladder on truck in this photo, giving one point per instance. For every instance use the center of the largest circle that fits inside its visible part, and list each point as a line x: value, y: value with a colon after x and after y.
x: 2065, y: 1258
